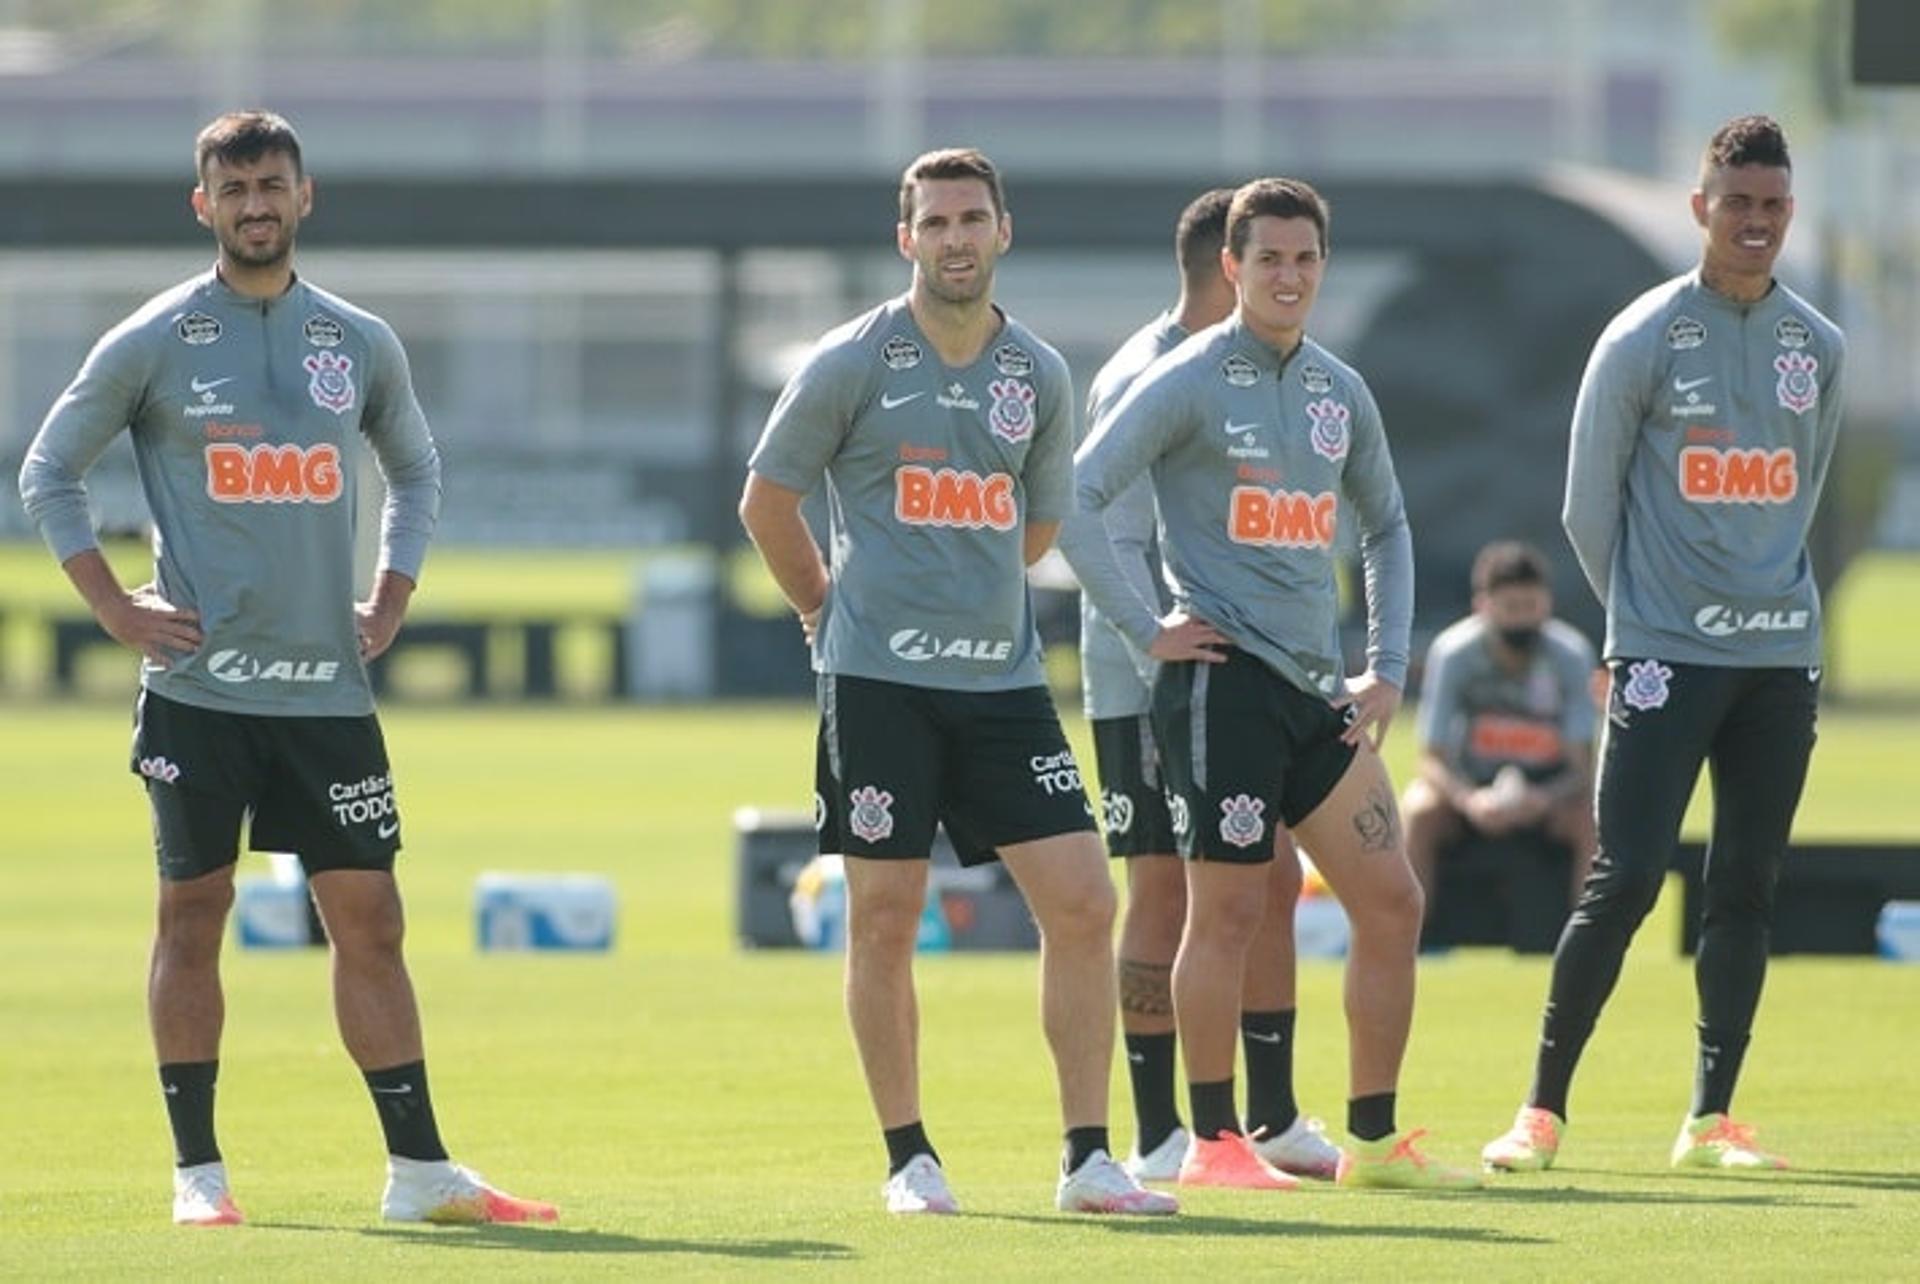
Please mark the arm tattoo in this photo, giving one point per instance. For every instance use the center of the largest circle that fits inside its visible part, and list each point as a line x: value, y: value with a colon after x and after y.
x: 1378, y: 822
x: 1146, y: 989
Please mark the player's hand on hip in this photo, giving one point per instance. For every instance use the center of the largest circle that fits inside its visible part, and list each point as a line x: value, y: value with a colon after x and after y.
x: 151, y: 625
x: 1187, y: 637
x: 1369, y: 705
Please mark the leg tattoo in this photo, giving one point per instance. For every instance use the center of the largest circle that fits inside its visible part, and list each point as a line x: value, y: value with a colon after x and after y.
x: 1378, y: 821
x: 1146, y: 989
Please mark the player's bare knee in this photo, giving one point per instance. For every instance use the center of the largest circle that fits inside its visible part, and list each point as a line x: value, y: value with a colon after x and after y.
x: 1086, y: 915
x: 193, y: 913
x: 884, y: 922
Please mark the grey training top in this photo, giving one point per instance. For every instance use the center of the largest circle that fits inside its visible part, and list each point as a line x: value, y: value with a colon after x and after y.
x: 1253, y: 459
x: 243, y: 412
x: 1478, y: 716
x: 932, y: 476
x: 1113, y: 673
x: 1701, y: 440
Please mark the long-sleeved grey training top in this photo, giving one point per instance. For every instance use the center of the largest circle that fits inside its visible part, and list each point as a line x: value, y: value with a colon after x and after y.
x: 933, y: 474
x: 1253, y: 459
x: 1701, y: 440
x: 1113, y: 673
x: 242, y: 413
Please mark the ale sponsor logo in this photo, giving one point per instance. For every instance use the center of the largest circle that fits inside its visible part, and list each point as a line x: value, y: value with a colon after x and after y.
x: 1721, y: 621
x: 237, y: 668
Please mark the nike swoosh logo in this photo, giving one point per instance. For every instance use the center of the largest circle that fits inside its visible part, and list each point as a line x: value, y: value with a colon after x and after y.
x: 1262, y: 1038
x: 1234, y: 427
x: 889, y: 403
x: 389, y: 828
x: 172, y: 1090
x: 403, y: 1090
x: 1138, y: 1058
x: 1688, y: 385
x: 208, y: 385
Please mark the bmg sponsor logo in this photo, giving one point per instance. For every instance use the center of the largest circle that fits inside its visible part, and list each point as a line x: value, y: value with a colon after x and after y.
x: 267, y: 474
x: 954, y: 497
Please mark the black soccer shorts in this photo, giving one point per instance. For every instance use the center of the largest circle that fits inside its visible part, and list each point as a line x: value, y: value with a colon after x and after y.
x: 319, y: 787
x: 1246, y: 750
x: 1133, y: 794
x: 893, y: 760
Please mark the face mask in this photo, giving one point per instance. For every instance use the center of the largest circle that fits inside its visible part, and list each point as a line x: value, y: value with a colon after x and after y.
x: 1522, y: 638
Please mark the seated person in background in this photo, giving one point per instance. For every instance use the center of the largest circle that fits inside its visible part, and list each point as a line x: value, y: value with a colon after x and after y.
x: 1506, y: 722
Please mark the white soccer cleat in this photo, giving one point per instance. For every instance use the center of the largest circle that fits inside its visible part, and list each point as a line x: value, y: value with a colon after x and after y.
x: 920, y: 1187
x: 439, y: 1190
x: 1162, y: 1163
x: 200, y: 1197
x: 1099, y: 1185
x: 1303, y: 1149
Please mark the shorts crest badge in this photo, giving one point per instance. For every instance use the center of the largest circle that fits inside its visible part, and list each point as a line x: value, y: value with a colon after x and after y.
x: 1646, y: 685
x: 1118, y: 811
x: 1240, y: 820
x: 1011, y: 415
x: 332, y: 385
x: 1330, y: 434
x: 872, y: 817
x: 1797, y: 389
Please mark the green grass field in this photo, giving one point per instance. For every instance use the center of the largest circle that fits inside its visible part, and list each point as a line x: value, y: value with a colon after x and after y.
x: 696, y: 1110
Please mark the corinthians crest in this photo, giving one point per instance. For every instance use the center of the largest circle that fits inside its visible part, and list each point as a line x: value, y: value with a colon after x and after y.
x: 1011, y: 415
x: 1329, y: 434
x: 1797, y: 389
x: 332, y: 385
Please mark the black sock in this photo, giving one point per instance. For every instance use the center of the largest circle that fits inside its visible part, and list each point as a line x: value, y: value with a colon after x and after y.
x: 1721, y: 1053
x: 906, y: 1141
x: 1081, y: 1143
x: 1371, y: 1117
x: 1150, y: 1066
x: 187, y: 1087
x: 406, y: 1111
x: 1213, y: 1112
x: 1266, y: 1038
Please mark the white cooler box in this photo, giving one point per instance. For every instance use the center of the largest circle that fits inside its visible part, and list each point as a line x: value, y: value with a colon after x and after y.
x: 272, y: 911
x: 544, y: 912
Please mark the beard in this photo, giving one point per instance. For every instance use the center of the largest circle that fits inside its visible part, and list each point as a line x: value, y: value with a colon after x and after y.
x: 274, y: 252
x: 966, y: 292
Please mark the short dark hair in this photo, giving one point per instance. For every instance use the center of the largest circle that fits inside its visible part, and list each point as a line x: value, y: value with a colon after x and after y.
x: 1746, y: 140
x: 243, y: 137
x: 1507, y: 562
x: 1201, y: 232
x: 951, y: 162
x: 1280, y: 198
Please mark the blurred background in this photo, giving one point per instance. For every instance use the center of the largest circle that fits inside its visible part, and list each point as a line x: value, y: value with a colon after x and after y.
x: 607, y: 230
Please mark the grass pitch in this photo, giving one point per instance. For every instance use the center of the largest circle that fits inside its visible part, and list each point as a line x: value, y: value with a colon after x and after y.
x: 696, y: 1110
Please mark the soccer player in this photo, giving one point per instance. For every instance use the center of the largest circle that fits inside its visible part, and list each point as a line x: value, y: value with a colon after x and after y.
x: 1138, y: 821
x: 1701, y: 438
x: 244, y: 388
x: 1258, y: 439
x: 943, y: 428
x: 1506, y: 721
